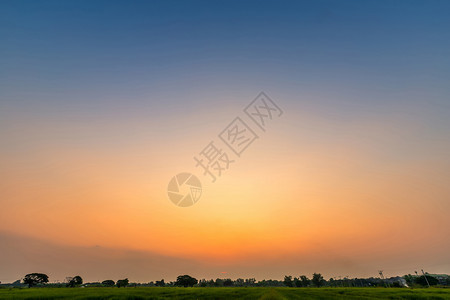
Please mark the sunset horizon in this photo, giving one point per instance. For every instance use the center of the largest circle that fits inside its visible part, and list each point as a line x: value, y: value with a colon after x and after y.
x: 152, y: 139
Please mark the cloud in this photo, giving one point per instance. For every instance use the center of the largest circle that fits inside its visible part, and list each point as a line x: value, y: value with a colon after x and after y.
x: 21, y: 255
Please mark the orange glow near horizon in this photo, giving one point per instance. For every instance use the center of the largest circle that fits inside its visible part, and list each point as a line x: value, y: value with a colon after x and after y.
x: 284, y: 196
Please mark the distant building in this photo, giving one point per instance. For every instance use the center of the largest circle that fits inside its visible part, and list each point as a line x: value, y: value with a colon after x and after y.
x: 397, y: 280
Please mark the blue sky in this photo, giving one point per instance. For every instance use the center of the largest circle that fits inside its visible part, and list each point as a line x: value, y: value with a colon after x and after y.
x: 119, y: 46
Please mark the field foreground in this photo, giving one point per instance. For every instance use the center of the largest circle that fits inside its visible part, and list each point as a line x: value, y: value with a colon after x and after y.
x: 223, y: 293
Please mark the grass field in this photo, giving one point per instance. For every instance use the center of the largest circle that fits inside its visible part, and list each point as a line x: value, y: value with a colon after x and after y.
x: 223, y: 293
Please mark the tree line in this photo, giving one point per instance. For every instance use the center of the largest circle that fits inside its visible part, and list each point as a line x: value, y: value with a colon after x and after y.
x: 317, y: 280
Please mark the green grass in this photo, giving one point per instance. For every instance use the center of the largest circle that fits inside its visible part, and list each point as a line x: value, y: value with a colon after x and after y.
x: 224, y: 293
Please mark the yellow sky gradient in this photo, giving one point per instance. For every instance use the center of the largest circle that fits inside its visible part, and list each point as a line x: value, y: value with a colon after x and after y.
x: 307, y: 185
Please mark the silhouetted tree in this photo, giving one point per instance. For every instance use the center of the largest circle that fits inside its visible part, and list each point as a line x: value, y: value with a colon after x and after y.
x: 317, y: 279
x: 74, y: 281
x: 288, y: 281
x: 185, y: 280
x: 409, y: 279
x: 160, y: 283
x: 239, y: 282
x: 218, y: 282
x: 35, y: 278
x: 305, y: 280
x: 122, y: 282
x: 332, y: 282
x: 422, y: 281
x: 228, y: 282
x: 108, y: 282
x: 250, y: 282
x: 270, y: 282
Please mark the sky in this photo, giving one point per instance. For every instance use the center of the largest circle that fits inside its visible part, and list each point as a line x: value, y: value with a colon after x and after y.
x: 103, y: 102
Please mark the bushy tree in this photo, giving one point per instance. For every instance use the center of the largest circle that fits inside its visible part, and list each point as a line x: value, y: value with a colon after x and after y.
x: 218, y: 282
x: 74, y: 281
x: 305, y: 280
x: 35, y: 278
x: 186, y: 280
x: 288, y: 281
x: 160, y: 282
x: 228, y: 282
x: 422, y: 281
x: 239, y: 282
x: 317, y: 280
x: 409, y: 279
x: 108, y: 282
x: 270, y: 282
x: 250, y: 282
x: 122, y: 282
